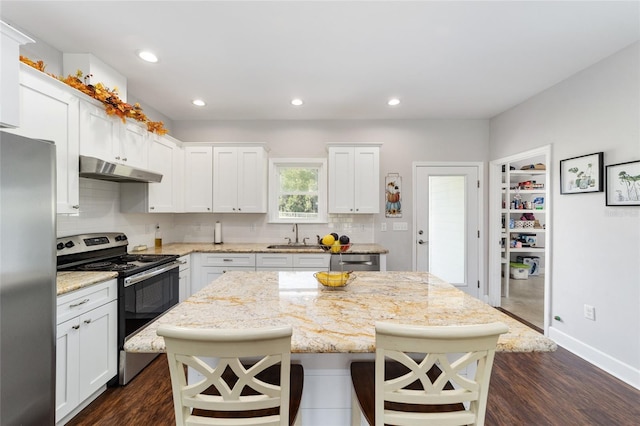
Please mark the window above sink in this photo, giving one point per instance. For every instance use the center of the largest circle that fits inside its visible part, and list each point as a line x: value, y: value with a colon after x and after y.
x: 298, y: 190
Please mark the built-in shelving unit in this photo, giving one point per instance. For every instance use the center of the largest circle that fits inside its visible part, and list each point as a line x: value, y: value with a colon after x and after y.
x: 519, y: 218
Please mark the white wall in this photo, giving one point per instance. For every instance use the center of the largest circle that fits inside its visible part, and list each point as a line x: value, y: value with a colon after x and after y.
x: 596, y: 249
x: 403, y: 142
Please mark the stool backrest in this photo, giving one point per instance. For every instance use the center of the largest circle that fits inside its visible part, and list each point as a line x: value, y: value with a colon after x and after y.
x: 229, y: 350
x: 445, y: 353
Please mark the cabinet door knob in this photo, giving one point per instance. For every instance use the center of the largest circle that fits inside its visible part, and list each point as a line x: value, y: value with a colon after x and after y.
x: 75, y: 327
x: 151, y: 208
x: 87, y: 321
x: 118, y: 157
x: 124, y: 159
x: 77, y: 207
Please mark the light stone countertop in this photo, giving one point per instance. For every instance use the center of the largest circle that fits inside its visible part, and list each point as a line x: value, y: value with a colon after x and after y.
x: 334, y: 320
x: 73, y: 280
x: 69, y: 281
x: 182, y: 249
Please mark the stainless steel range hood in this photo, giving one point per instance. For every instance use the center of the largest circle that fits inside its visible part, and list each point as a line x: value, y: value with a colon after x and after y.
x: 95, y: 168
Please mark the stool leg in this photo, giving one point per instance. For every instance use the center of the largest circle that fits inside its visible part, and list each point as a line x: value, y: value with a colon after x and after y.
x: 356, y: 415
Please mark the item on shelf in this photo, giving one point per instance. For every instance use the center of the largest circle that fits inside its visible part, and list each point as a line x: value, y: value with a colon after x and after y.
x: 518, y: 271
x: 532, y: 261
x: 537, y: 166
x: 538, y: 203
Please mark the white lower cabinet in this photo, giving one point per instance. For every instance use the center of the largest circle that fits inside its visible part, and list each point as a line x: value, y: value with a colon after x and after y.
x: 292, y: 261
x: 207, y: 267
x: 274, y: 262
x: 86, y: 346
x: 184, y: 277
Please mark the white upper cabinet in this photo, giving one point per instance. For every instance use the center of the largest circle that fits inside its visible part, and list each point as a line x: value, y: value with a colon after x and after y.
x: 49, y: 110
x: 108, y: 138
x: 239, y: 180
x: 134, y: 145
x: 99, y: 132
x: 10, y: 40
x: 167, y: 158
x: 354, y: 179
x: 198, y: 179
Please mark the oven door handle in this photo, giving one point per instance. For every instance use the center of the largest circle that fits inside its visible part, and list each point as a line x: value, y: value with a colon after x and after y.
x: 148, y: 274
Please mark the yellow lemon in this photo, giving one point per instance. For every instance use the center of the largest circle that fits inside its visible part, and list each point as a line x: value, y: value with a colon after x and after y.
x: 335, y: 248
x: 328, y: 240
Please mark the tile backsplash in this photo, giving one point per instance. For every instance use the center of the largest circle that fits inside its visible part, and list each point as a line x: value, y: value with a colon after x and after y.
x: 100, y: 212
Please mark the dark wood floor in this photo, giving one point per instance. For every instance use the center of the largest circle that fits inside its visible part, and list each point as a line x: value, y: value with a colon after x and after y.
x: 538, y: 389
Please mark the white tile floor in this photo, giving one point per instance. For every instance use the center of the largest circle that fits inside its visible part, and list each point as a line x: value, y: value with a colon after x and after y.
x: 526, y: 299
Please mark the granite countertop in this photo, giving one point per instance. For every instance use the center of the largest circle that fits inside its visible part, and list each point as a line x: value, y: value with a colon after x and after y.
x: 334, y: 320
x: 69, y: 281
x: 183, y: 249
x: 72, y: 280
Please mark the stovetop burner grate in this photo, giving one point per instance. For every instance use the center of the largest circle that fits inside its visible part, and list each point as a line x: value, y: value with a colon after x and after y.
x: 95, y: 266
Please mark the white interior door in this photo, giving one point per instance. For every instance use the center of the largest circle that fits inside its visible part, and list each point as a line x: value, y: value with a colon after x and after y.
x: 447, y: 224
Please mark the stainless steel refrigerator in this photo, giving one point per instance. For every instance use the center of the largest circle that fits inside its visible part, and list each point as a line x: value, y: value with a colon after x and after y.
x: 27, y: 281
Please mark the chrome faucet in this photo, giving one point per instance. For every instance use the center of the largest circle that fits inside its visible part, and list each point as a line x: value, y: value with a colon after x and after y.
x: 295, y: 229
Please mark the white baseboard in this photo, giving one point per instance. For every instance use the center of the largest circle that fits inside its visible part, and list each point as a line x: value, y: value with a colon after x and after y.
x: 622, y: 371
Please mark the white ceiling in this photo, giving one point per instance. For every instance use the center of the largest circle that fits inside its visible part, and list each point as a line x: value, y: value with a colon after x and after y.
x: 247, y: 60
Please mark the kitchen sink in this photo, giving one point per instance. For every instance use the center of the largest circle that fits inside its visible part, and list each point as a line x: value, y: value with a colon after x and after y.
x: 294, y: 246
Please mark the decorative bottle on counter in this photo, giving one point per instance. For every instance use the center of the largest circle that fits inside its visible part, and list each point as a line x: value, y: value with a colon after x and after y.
x: 158, y: 237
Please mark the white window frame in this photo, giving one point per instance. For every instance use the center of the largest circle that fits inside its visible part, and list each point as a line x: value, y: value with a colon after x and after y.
x: 275, y: 164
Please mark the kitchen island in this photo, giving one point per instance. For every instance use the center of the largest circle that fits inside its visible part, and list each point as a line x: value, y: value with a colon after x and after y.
x: 332, y: 327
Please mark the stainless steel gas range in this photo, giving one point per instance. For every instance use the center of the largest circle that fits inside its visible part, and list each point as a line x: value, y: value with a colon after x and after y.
x: 147, y: 286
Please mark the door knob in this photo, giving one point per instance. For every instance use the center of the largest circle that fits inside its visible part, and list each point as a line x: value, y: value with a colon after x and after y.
x: 422, y: 242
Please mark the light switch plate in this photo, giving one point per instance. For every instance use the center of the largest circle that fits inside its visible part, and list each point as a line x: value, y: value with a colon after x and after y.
x: 590, y: 312
x: 400, y: 226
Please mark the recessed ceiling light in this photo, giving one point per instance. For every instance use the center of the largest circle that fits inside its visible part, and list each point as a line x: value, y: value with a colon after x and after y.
x: 145, y: 55
x: 198, y: 102
x: 296, y: 102
x: 393, y: 102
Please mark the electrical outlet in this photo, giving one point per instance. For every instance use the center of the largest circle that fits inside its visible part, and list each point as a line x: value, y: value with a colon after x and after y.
x: 590, y: 312
x: 383, y: 226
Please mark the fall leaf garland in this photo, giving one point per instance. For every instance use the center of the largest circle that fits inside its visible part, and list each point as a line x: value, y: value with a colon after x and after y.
x: 109, y: 97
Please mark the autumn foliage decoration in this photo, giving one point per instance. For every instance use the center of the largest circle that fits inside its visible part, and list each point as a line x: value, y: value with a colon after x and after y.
x: 109, y: 97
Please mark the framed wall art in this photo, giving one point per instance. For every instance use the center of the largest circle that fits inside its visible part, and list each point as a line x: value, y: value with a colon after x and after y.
x: 623, y: 184
x: 582, y: 174
x: 392, y: 191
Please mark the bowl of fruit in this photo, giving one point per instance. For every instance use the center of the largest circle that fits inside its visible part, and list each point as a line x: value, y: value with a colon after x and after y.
x: 334, y: 279
x: 334, y: 243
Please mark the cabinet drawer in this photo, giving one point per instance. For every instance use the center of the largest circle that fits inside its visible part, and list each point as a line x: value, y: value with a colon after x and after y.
x: 78, y: 302
x: 311, y: 261
x: 274, y: 260
x: 231, y: 259
x: 185, y: 262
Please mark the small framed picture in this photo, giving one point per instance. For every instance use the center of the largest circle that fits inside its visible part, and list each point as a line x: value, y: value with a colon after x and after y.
x: 582, y: 174
x: 623, y: 184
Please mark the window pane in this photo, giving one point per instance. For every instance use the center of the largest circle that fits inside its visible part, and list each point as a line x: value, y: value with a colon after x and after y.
x: 298, y: 179
x: 447, y: 228
x: 298, y: 206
